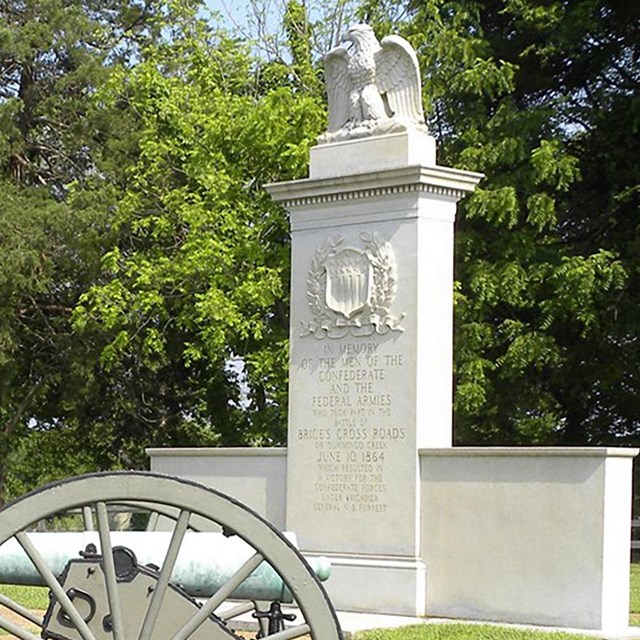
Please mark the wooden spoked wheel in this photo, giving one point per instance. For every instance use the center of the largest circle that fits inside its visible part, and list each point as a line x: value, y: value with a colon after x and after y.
x: 189, y: 504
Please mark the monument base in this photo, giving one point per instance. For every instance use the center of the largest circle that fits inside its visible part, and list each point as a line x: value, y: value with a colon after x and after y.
x: 373, y: 584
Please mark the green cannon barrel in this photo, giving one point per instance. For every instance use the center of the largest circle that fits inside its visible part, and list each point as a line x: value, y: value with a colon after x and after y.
x: 205, y: 563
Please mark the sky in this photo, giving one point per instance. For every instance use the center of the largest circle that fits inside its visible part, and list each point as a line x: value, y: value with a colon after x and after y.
x: 236, y: 13
x: 261, y: 19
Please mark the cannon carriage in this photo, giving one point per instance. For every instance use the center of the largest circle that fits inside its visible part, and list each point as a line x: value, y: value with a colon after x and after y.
x: 188, y: 582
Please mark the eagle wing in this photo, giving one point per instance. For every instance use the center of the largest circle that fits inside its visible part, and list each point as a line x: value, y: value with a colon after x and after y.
x: 398, y: 76
x: 338, y: 87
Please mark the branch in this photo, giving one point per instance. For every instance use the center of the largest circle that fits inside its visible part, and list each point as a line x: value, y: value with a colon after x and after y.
x: 10, y: 426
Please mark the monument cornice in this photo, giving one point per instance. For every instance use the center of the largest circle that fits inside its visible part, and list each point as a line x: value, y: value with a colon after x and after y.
x: 448, y: 183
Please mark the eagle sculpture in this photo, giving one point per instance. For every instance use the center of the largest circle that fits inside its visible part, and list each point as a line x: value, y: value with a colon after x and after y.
x: 372, y: 87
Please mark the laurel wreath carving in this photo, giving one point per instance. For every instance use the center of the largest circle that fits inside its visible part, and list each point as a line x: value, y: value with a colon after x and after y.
x: 384, y: 271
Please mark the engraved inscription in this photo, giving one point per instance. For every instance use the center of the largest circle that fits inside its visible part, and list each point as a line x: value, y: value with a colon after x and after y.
x: 355, y: 435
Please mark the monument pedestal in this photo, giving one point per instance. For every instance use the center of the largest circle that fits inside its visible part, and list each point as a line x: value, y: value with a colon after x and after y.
x: 377, y: 153
x: 371, y: 358
x: 411, y: 525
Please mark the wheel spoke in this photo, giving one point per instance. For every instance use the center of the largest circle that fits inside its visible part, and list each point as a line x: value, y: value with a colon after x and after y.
x: 238, y: 610
x: 219, y: 597
x: 20, y: 610
x: 153, y: 521
x: 53, y: 584
x: 109, y: 570
x: 87, y: 517
x: 165, y: 575
x: 19, y: 632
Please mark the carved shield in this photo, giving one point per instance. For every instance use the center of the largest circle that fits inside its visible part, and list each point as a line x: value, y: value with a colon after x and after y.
x: 349, y: 282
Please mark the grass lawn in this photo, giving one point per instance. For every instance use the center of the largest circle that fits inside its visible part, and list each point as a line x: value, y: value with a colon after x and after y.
x: 34, y: 598
x: 634, y: 595
x: 461, y: 632
x: 37, y: 598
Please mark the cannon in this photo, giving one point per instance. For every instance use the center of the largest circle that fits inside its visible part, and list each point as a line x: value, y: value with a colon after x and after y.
x: 188, y: 582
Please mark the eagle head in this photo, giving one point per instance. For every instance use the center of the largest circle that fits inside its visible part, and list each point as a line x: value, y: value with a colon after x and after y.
x: 362, y: 37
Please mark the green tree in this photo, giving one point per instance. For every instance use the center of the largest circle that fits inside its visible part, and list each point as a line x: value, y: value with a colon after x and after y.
x: 543, y: 98
x: 198, y: 278
x: 53, y: 56
x: 160, y: 264
x: 59, y: 147
x: 47, y: 259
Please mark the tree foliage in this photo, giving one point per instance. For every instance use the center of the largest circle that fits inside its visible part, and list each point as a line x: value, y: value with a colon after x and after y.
x: 198, y: 276
x: 160, y: 265
x: 47, y: 259
x: 53, y: 57
x: 543, y: 98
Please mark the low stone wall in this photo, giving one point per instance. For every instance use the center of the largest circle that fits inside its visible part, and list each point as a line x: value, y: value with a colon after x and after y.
x: 530, y: 535
x: 256, y: 477
x: 520, y: 535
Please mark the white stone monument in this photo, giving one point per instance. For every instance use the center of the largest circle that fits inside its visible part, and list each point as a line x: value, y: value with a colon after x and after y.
x: 371, y: 325
x: 411, y: 524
